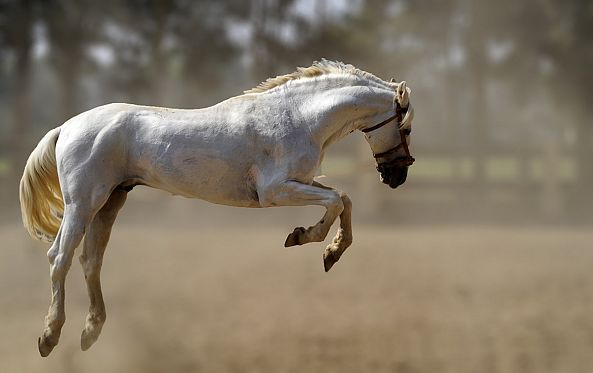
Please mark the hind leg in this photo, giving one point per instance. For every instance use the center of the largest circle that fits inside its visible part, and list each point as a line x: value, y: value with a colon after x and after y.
x: 91, y: 259
x: 80, y: 208
x: 60, y: 259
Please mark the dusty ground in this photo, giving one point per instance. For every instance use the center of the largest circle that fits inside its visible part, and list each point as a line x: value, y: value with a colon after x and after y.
x: 401, y: 300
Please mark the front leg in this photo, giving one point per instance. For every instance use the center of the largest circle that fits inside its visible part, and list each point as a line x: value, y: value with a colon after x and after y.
x: 343, y: 238
x: 294, y: 193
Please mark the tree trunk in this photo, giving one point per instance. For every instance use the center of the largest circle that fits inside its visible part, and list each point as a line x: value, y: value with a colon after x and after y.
x: 22, y: 106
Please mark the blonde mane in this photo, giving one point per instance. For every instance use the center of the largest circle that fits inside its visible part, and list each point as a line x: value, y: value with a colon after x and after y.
x: 318, y: 68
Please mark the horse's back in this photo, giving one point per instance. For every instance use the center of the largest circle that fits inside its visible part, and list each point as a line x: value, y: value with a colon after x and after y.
x: 195, y: 153
x: 219, y: 154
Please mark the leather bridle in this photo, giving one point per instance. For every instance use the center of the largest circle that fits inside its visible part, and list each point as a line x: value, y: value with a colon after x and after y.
x: 404, y: 161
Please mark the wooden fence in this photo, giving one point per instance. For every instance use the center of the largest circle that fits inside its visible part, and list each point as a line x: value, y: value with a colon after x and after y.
x: 529, y: 184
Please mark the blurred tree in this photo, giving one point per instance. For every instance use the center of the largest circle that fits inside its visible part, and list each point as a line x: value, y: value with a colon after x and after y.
x: 135, y: 33
x: 568, y: 44
x: 273, y: 28
x: 552, y: 44
x: 157, y: 42
x: 16, y: 38
x: 71, y: 26
x: 207, y: 56
x: 359, y: 39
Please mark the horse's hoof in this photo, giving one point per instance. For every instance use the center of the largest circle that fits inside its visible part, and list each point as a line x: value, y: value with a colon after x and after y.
x: 88, y: 338
x: 45, y: 346
x: 295, y: 238
x: 329, y: 259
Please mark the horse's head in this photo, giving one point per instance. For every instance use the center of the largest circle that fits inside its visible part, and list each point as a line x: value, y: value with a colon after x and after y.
x: 389, y: 139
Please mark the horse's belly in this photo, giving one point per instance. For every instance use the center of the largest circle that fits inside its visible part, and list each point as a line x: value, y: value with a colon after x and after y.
x: 212, y: 180
x: 230, y: 194
x: 204, y: 162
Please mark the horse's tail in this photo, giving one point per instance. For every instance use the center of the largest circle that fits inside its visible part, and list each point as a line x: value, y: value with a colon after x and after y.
x: 41, y: 199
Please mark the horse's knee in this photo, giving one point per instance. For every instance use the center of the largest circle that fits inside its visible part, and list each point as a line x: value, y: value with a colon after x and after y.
x: 346, y: 201
x: 335, y: 202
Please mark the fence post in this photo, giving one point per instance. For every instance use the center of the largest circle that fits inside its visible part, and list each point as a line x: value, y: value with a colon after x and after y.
x: 551, y: 201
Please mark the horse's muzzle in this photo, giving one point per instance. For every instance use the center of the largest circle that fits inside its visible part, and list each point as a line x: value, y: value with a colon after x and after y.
x: 394, y: 177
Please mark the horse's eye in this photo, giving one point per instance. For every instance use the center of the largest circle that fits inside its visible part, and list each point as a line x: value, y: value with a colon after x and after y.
x: 407, y: 132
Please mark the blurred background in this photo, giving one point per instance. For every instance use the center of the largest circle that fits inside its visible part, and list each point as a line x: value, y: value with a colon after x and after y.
x: 479, y: 263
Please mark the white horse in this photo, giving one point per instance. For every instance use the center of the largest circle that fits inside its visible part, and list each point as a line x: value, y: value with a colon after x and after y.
x: 259, y: 149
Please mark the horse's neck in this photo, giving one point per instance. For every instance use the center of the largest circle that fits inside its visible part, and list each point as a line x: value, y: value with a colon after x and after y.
x: 334, y: 113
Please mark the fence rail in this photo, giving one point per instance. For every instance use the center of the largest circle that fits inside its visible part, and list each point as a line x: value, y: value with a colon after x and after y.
x: 536, y: 182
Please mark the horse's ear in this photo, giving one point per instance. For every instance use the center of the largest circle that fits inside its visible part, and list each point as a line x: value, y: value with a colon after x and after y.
x: 403, y: 94
x: 392, y: 80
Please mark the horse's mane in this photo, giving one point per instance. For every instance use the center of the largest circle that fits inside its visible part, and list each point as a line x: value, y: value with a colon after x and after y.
x: 318, y: 68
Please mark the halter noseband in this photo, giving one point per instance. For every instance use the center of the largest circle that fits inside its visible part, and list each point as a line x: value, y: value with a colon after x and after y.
x: 405, y: 161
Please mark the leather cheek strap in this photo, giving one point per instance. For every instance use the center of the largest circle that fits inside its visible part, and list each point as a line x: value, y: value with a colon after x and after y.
x: 404, y: 161
x: 407, y: 160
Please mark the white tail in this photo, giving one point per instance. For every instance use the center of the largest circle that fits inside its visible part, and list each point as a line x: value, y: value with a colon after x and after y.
x: 40, y: 194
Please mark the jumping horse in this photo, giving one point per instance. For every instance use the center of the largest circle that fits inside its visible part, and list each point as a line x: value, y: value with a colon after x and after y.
x: 259, y: 149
